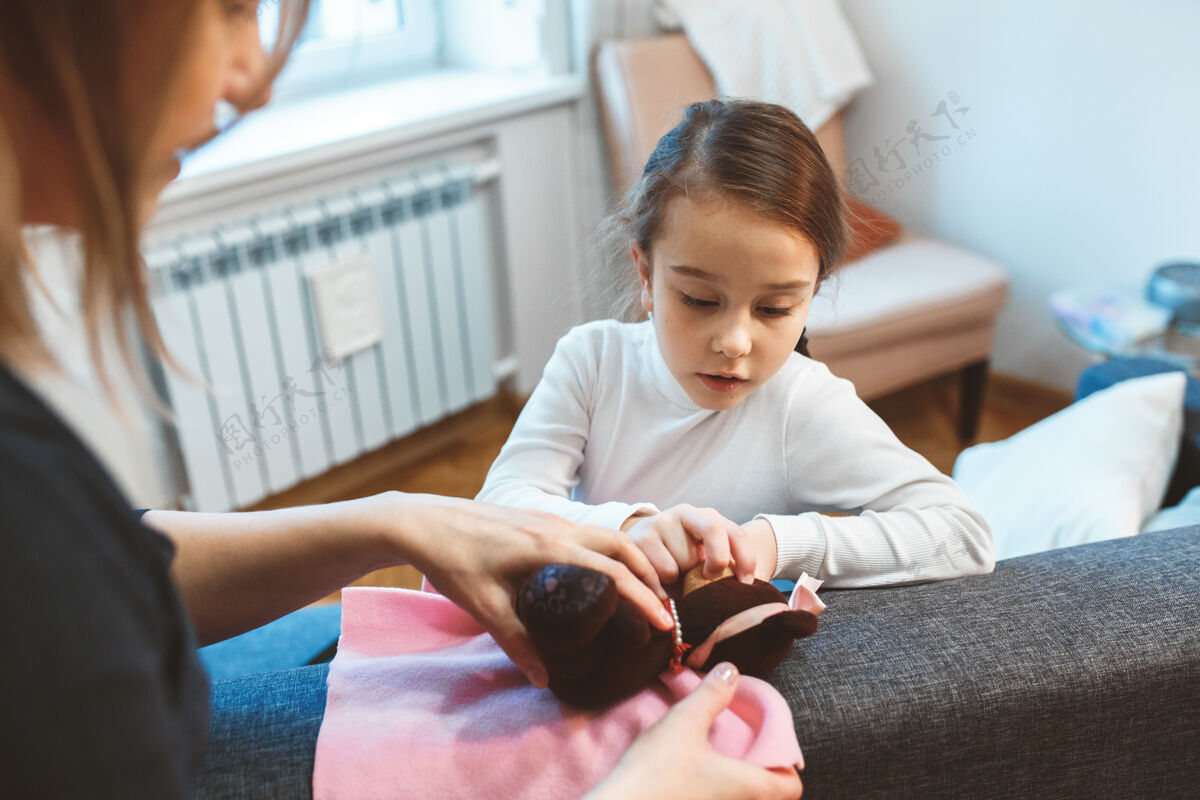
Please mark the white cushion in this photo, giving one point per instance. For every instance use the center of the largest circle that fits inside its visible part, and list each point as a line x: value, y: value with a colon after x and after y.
x: 1096, y: 470
x: 1184, y: 515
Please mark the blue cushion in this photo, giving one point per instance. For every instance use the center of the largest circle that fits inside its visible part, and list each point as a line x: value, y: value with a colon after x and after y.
x: 288, y: 642
x: 1187, y: 469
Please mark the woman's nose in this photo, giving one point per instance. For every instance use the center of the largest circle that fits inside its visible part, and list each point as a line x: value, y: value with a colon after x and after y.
x: 246, y: 84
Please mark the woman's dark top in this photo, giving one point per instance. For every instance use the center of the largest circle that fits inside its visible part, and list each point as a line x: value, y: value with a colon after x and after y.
x: 103, y: 694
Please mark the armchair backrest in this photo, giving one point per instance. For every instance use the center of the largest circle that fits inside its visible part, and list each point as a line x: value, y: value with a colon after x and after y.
x: 644, y: 85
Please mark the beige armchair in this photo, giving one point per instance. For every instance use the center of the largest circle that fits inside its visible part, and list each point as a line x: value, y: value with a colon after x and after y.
x: 910, y: 311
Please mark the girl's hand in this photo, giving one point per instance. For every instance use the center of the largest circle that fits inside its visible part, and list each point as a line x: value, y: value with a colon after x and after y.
x: 479, y: 556
x: 673, y: 759
x: 766, y: 548
x: 681, y: 537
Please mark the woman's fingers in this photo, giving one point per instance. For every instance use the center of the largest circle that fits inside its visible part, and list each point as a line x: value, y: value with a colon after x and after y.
x: 785, y: 783
x: 629, y: 587
x: 493, y: 550
x: 687, y: 725
x: 629, y: 554
x: 695, y: 714
x: 498, y: 616
x: 617, y: 556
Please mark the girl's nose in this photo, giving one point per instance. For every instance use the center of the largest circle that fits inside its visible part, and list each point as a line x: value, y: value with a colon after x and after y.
x: 732, y: 339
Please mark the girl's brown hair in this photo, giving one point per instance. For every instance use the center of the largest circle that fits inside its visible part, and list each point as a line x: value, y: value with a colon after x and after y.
x: 63, y: 62
x: 758, y: 154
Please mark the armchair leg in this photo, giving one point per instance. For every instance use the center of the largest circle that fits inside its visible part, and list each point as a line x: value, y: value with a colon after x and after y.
x: 973, y: 380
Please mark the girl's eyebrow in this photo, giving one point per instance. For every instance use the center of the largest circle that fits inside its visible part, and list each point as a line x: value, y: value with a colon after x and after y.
x: 696, y: 272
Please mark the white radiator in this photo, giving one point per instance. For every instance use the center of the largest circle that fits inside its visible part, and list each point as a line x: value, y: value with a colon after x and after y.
x: 235, y: 308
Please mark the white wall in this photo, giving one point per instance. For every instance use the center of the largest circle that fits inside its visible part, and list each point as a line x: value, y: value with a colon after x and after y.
x: 1085, y: 164
x: 595, y: 21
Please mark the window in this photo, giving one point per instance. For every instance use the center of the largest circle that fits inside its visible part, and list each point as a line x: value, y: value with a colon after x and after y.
x: 348, y: 43
x: 351, y: 42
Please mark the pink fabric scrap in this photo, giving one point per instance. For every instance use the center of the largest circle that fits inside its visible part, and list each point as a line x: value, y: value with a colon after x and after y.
x: 422, y: 702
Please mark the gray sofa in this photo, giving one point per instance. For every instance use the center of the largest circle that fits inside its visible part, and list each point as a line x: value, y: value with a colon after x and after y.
x: 1072, y: 673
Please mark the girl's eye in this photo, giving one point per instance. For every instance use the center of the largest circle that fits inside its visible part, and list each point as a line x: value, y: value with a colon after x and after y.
x: 775, y: 311
x: 696, y: 302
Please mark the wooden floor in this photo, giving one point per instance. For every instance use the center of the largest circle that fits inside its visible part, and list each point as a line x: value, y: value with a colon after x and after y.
x: 925, y: 417
x: 453, y: 456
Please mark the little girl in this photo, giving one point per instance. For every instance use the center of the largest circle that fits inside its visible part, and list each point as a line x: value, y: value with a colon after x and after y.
x: 706, y: 432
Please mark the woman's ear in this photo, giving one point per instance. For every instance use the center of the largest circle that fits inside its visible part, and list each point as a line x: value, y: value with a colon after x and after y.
x: 645, y: 273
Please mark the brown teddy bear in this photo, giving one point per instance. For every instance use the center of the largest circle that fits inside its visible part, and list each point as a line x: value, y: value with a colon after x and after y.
x: 599, y: 648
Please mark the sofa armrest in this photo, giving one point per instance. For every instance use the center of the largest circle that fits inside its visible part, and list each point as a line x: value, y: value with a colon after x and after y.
x: 1071, y: 673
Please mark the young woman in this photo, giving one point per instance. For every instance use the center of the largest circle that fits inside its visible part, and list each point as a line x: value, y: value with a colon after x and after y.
x: 104, y: 695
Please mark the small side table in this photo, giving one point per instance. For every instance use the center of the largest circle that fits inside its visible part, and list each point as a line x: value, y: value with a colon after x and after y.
x: 1177, y: 344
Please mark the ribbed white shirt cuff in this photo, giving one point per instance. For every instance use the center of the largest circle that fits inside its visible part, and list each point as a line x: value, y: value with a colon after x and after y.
x: 799, y: 544
x: 612, y: 515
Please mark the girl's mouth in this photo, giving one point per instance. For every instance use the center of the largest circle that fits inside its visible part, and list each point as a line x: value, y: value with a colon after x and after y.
x: 720, y: 383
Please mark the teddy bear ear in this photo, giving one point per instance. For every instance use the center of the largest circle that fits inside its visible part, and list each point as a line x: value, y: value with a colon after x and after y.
x: 797, y: 624
x: 804, y: 596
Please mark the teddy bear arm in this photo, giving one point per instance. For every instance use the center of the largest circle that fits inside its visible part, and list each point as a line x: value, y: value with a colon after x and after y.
x: 758, y: 650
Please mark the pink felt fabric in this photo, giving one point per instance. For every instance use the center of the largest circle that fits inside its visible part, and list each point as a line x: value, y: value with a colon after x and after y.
x: 423, y: 703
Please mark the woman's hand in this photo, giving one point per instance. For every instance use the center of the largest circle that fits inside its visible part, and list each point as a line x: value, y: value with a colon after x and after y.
x: 681, y: 537
x: 479, y: 556
x: 673, y: 759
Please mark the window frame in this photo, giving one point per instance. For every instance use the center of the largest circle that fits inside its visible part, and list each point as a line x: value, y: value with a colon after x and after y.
x: 320, y: 66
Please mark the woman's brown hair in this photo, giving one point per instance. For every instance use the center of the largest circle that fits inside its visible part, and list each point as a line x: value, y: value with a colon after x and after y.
x: 63, y: 62
x: 757, y: 154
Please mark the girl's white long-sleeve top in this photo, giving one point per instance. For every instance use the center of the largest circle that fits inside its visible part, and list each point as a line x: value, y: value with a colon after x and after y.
x: 609, y: 432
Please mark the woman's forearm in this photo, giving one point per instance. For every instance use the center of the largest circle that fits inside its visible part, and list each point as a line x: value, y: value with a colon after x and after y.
x: 237, y: 571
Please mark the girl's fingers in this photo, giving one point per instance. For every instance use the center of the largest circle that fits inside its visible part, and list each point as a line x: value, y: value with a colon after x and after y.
x: 745, y: 557
x: 709, y: 530
x: 661, y: 559
x: 684, y: 547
